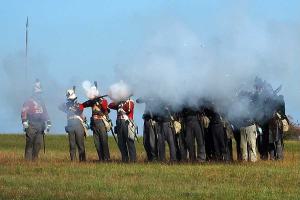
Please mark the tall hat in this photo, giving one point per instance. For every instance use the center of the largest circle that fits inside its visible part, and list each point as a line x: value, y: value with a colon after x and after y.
x: 70, y: 94
x: 93, y: 92
x: 37, y: 88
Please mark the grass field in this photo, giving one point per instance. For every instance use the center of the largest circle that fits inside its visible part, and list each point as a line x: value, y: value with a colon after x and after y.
x: 55, y: 177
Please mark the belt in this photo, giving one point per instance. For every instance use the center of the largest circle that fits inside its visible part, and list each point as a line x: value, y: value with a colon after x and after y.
x: 99, y: 117
x: 122, y: 117
x: 75, y: 117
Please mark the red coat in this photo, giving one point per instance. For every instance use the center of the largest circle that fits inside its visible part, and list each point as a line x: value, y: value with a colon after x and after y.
x: 100, y: 105
x: 34, y: 110
x: 127, y: 107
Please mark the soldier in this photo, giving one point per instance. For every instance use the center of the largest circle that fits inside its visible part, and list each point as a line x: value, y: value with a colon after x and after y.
x: 35, y: 121
x: 216, y: 129
x: 150, y: 129
x: 179, y: 139
x: 123, y: 129
x: 99, y: 120
x: 166, y: 132
x: 209, y: 145
x: 75, y: 125
x: 194, y: 131
x: 228, y: 129
x: 275, y: 134
x: 275, y: 147
x: 237, y: 138
x: 248, y: 141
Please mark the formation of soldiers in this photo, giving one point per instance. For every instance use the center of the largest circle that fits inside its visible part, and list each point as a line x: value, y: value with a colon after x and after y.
x: 194, y: 133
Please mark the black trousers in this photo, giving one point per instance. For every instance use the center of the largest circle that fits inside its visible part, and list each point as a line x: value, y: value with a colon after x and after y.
x: 263, y: 143
x: 150, y: 140
x: 229, y: 151
x: 209, y: 144
x: 126, y: 145
x: 181, y: 147
x: 76, y: 139
x: 34, y: 140
x: 194, y: 132
x: 275, y: 150
x: 100, y: 140
x: 165, y: 134
x: 237, y: 138
x: 218, y: 135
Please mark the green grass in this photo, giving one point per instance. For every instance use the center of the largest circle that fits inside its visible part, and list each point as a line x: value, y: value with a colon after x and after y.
x: 55, y: 177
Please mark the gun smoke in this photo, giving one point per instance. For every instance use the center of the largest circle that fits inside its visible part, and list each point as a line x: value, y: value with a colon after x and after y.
x: 176, y: 62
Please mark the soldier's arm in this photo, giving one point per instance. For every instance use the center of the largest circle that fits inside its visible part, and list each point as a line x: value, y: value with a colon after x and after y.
x: 62, y: 107
x: 45, y: 113
x: 113, y: 106
x: 24, y: 112
x: 88, y: 103
x: 128, y: 106
x: 140, y: 100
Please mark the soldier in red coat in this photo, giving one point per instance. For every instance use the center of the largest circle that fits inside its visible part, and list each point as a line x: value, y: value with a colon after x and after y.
x: 125, y: 128
x: 35, y: 121
x: 99, y: 122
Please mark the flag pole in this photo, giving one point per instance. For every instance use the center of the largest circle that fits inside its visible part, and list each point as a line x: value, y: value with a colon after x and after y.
x: 26, y: 51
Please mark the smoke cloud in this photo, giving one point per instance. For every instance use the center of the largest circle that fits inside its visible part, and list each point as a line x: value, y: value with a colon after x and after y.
x: 119, y: 91
x: 180, y: 66
x: 90, y: 90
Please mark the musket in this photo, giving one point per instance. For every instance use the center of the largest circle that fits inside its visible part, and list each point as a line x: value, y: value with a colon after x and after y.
x: 275, y: 92
x: 112, y: 130
x: 95, y: 99
x: 44, y: 143
x: 172, y: 121
x: 177, y: 145
x: 113, y: 133
x: 152, y: 124
x: 135, y: 134
x: 154, y: 130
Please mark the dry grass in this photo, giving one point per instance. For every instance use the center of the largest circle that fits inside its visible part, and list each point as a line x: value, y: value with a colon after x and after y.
x: 55, y: 177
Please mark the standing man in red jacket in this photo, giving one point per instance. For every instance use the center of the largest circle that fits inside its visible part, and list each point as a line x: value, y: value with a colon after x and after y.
x: 35, y: 121
x: 99, y: 118
x: 124, y: 123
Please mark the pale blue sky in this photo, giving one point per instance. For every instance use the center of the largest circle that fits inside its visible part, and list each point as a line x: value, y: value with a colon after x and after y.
x: 76, y: 39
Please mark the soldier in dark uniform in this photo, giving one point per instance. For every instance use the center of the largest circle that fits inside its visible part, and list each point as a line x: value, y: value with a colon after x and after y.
x: 237, y: 138
x: 165, y: 133
x: 216, y: 129
x: 35, y: 120
x: 75, y: 126
x: 275, y: 147
x: 99, y: 117
x: 275, y: 139
x: 124, y: 120
x: 194, y: 131
x: 150, y: 128
x: 180, y: 139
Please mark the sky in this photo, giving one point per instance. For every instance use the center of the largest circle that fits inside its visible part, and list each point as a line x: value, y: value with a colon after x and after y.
x: 73, y: 41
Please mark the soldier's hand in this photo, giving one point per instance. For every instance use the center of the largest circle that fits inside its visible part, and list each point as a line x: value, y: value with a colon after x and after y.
x: 25, y: 125
x: 48, y: 126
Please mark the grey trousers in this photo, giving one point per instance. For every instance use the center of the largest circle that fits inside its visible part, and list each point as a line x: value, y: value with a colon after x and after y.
x: 150, y: 140
x: 126, y: 145
x: 181, y: 147
x: 76, y: 139
x: 248, y: 140
x: 194, y: 132
x: 101, y: 140
x: 276, y: 150
x: 34, y: 141
x: 165, y: 134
